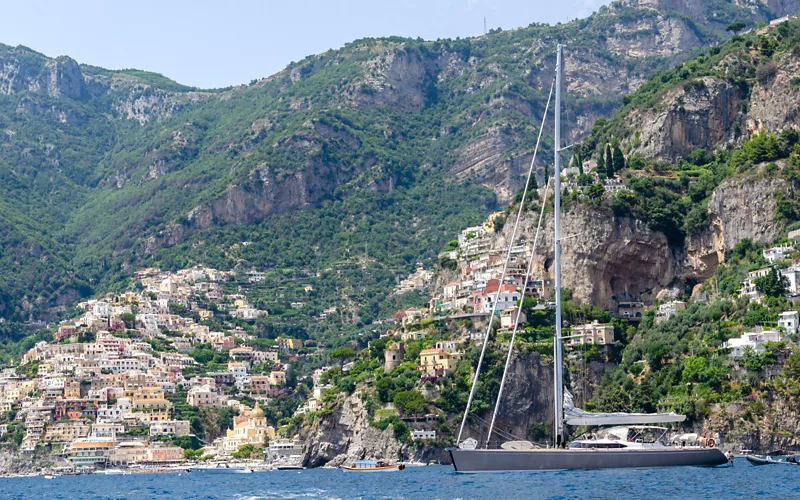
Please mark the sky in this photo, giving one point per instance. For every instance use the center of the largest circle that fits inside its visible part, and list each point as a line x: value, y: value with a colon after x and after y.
x: 212, y: 44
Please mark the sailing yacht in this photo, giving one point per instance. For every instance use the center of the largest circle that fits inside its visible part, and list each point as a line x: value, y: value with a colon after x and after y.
x: 632, y: 441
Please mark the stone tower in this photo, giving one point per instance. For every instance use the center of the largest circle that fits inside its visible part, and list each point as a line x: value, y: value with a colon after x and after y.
x: 393, y: 356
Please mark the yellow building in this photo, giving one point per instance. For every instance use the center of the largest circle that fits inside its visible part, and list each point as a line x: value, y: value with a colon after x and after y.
x: 72, y: 389
x: 128, y: 452
x: 277, y: 378
x: 148, y: 398
x: 438, y: 362
x: 251, y: 428
x: 66, y: 432
x: 90, y: 452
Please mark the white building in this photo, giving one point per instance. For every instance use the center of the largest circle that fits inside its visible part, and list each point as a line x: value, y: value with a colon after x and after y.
x: 793, y: 276
x: 470, y: 233
x: 668, y: 310
x: 756, y: 340
x: 749, y: 286
x: 592, y: 333
x: 776, y: 253
x: 788, y: 321
x: 508, y: 318
x: 416, y: 435
x: 170, y: 428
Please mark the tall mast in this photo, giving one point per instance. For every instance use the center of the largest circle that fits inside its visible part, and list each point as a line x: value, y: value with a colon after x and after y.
x: 557, y: 362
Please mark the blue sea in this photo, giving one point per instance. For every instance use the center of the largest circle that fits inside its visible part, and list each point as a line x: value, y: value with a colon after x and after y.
x: 429, y: 483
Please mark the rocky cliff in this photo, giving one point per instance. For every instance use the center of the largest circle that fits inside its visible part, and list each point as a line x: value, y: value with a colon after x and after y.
x: 14, y: 462
x: 740, y: 208
x: 744, y: 93
x: 606, y: 258
x: 345, y: 435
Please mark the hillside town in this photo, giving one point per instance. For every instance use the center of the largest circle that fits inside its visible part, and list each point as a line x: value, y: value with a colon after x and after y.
x: 104, y: 391
x: 477, y: 292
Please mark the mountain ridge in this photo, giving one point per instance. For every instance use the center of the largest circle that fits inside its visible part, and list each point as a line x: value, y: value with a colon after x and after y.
x: 128, y: 164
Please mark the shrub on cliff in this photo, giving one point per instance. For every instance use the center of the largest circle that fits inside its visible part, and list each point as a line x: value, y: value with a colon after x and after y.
x: 410, y: 402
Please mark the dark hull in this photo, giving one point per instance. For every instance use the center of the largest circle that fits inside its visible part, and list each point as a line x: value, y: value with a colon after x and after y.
x: 767, y: 461
x: 529, y: 460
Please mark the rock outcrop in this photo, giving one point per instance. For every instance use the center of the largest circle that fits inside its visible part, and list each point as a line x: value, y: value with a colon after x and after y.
x: 605, y: 258
x: 701, y: 114
x: 345, y: 436
x: 528, y: 396
x: 57, y: 78
x: 740, y: 208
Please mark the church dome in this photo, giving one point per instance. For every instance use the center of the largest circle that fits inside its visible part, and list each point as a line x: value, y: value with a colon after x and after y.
x: 257, y: 412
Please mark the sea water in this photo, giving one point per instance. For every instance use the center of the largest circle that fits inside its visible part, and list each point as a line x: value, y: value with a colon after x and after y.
x: 429, y: 483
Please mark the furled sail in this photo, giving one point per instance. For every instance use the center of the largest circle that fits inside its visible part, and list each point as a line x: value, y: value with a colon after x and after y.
x: 576, y: 416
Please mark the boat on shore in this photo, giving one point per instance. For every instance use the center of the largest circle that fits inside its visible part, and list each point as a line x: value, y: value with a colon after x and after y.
x: 372, y: 466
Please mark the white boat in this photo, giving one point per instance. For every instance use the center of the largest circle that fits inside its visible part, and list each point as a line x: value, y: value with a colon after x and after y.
x: 613, y: 448
x: 50, y: 476
x: 113, y: 472
x: 372, y: 466
x: 222, y: 468
x: 412, y: 463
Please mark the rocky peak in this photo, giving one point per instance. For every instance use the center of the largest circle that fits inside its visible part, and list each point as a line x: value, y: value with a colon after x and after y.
x: 23, y: 69
x: 60, y: 78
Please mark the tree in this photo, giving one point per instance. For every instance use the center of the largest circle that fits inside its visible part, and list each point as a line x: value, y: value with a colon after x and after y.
x: 792, y: 368
x: 751, y: 361
x: 129, y: 320
x: 409, y: 402
x: 343, y: 354
x: 773, y: 284
x: 601, y: 165
x: 609, y: 162
x: 618, y: 159
x: 735, y: 27
x: 577, y: 161
x: 595, y: 191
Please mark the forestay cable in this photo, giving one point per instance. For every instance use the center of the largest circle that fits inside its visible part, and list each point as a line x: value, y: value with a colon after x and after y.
x: 505, y: 268
x: 519, y: 313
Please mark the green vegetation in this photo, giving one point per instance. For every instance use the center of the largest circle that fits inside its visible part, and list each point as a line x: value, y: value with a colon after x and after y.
x: 84, y: 186
x: 680, y: 364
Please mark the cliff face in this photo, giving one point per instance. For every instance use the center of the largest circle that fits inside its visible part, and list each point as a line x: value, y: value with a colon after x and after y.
x: 712, y: 112
x: 346, y: 436
x: 24, y: 70
x: 57, y: 78
x: 699, y: 115
x: 740, y: 208
x: 604, y: 258
x: 775, y: 427
x: 14, y: 462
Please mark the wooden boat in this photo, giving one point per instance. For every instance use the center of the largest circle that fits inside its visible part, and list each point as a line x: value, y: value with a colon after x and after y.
x: 372, y: 466
x: 756, y: 460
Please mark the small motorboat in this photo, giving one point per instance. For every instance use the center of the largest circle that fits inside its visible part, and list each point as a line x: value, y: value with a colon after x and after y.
x: 50, y: 476
x: 222, y: 468
x: 113, y: 472
x: 372, y: 466
x: 756, y: 460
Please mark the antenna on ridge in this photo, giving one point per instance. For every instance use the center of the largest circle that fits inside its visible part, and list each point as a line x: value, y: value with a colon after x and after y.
x: 484, y: 26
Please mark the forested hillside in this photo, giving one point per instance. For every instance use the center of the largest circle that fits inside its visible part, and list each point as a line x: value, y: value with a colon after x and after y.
x: 368, y: 157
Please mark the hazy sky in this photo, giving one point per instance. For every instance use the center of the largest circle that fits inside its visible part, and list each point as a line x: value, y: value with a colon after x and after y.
x: 218, y: 43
